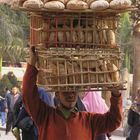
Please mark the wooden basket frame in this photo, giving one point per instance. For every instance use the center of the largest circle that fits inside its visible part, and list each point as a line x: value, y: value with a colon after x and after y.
x: 41, y: 31
x: 63, y: 55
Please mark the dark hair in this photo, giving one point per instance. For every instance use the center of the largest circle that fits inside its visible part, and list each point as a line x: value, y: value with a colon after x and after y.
x: 6, y: 88
x: 135, y: 132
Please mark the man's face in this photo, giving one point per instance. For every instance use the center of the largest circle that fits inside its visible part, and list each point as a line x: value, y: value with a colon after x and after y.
x: 68, y: 99
x: 14, y: 90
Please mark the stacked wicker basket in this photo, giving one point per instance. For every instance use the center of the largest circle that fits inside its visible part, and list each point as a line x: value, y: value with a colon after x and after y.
x: 76, y: 49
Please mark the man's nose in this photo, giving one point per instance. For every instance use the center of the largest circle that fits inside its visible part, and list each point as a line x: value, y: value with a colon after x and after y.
x: 72, y: 94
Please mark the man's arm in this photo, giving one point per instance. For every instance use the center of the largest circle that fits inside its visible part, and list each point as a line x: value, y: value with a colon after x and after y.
x: 33, y: 104
x: 111, y: 120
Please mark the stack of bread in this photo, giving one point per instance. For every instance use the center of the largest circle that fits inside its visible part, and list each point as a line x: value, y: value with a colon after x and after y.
x: 76, y: 49
x: 72, y: 4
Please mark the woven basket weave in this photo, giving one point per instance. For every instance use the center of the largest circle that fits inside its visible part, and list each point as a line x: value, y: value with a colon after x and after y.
x: 73, y: 30
x: 69, y: 69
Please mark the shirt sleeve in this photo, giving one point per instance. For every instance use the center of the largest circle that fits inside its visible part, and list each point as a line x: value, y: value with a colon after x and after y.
x: 108, y: 122
x: 36, y: 108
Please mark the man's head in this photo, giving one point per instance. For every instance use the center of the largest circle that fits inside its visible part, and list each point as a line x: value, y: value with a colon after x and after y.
x: 67, y: 99
x: 15, y: 90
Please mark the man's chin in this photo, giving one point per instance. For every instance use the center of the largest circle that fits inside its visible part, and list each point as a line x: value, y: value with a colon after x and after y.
x: 69, y: 106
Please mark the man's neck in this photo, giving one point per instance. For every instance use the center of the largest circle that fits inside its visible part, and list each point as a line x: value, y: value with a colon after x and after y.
x: 66, y: 108
x: 66, y: 111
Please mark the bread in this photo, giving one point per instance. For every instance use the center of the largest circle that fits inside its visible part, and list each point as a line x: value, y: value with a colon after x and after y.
x: 77, y: 5
x: 93, y: 78
x: 74, y: 37
x: 54, y: 5
x: 70, y: 71
x: 88, y: 68
x: 88, y: 64
x: 100, y: 68
x: 34, y: 4
x: 111, y: 38
x: 52, y: 37
x: 114, y: 73
x: 108, y: 1
x: 89, y: 1
x: 120, y: 4
x: 62, y: 72
x: 67, y: 36
x: 95, y: 36
x: 76, y: 66
x: 81, y: 36
x: 63, y: 1
x: 103, y: 67
x: 44, y: 35
x: 99, y: 5
x: 17, y: 3
x: 60, y: 36
x: 89, y: 37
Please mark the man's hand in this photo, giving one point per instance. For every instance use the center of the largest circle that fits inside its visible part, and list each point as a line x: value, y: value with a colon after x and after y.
x: 32, y: 56
x: 115, y: 90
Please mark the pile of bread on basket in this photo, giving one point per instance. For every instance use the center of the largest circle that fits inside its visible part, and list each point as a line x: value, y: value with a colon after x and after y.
x: 72, y: 4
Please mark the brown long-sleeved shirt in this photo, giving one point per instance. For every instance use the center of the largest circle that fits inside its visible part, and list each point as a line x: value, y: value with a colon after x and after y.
x: 53, y: 126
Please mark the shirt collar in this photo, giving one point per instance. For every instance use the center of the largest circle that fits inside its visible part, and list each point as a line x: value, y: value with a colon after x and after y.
x: 67, y: 113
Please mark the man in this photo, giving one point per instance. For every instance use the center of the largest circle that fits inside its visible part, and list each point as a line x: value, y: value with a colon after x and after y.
x: 64, y: 122
x: 133, y: 119
x: 11, y: 98
x: 2, y: 111
x: 22, y: 119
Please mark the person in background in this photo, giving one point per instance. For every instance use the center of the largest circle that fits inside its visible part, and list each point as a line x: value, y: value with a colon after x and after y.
x: 7, y: 90
x: 28, y: 129
x: 64, y: 122
x: 94, y: 103
x: 135, y: 133
x: 3, y: 111
x: 11, y: 98
x: 134, y: 114
x: 24, y: 123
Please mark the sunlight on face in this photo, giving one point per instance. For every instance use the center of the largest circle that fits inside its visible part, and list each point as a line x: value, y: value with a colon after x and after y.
x: 14, y: 90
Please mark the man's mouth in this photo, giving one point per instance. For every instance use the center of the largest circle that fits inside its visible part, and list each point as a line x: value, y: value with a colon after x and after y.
x: 71, y: 100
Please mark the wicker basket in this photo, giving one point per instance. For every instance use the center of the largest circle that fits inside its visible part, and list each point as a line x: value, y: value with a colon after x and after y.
x: 70, y: 69
x: 70, y: 30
